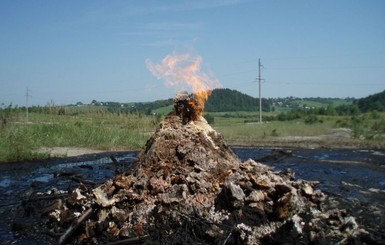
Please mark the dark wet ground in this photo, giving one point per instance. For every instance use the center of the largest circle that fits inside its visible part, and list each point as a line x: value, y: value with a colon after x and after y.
x: 354, y: 178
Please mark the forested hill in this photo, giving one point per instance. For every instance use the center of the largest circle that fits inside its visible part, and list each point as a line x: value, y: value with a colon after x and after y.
x: 372, y: 102
x: 233, y: 100
x: 227, y: 100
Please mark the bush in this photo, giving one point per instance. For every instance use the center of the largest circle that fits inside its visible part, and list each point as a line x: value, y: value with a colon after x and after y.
x: 158, y: 118
x: 342, y: 123
x: 209, y: 118
x: 375, y: 114
x: 379, y: 126
x: 311, y: 119
x: 274, y: 133
x: 61, y: 111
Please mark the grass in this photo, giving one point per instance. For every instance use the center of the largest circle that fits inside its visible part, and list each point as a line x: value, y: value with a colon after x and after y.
x: 316, y: 104
x: 368, y: 130
x: 369, y: 126
x: 102, y: 130
x: 235, y: 130
x: 164, y: 110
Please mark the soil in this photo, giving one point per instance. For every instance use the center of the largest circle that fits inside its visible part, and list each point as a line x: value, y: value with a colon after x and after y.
x: 67, y: 151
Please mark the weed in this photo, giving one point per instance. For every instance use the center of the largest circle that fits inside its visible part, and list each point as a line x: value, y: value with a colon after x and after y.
x: 274, y: 133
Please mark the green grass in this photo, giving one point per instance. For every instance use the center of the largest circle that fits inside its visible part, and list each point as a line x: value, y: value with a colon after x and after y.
x: 309, y: 103
x: 369, y: 126
x: 237, y: 131
x: 103, y: 131
x: 341, y: 102
x: 366, y: 128
x: 164, y: 110
x: 316, y: 104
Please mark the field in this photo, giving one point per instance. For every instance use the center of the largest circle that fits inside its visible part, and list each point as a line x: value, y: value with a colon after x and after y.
x: 98, y: 129
x: 240, y: 132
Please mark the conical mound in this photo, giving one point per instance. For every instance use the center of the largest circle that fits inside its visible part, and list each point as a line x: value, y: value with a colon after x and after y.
x: 188, y: 187
x: 192, y: 145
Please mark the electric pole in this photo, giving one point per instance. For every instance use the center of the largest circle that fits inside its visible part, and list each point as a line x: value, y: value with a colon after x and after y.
x: 27, y: 95
x: 260, y: 90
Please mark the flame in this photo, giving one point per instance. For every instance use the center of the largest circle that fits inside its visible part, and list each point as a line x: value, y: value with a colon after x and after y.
x: 184, y: 69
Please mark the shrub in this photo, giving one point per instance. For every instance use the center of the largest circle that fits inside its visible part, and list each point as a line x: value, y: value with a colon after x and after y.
x: 274, y: 133
x: 311, y: 119
x: 61, y: 111
x: 209, y: 118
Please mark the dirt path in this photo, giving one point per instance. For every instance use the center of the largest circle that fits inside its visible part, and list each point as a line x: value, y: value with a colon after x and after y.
x: 67, y: 151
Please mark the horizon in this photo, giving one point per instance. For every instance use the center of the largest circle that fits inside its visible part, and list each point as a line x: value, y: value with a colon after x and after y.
x: 3, y: 105
x: 69, y: 52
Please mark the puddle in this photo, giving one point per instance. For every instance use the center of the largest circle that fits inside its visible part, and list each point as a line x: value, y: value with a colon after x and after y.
x: 5, y: 181
x: 377, y: 153
x: 44, y: 178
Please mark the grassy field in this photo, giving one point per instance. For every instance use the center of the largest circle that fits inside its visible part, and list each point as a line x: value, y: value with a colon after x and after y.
x: 164, y: 110
x: 236, y: 130
x: 311, y: 103
x: 102, y: 130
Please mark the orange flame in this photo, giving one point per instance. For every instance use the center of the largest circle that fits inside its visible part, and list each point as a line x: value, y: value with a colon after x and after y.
x: 183, y: 69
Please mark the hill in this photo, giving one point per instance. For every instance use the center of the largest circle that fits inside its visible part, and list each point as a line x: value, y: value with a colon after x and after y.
x: 372, y: 102
x: 232, y: 100
x: 228, y: 100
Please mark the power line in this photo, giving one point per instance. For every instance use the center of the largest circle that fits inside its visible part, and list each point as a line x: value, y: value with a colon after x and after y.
x: 324, y: 84
x: 326, y: 68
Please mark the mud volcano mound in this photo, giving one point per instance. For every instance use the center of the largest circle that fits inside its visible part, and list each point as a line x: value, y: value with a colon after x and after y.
x: 188, y: 187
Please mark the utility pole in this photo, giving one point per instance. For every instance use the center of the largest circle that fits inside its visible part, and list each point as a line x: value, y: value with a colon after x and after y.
x: 260, y: 90
x: 27, y: 95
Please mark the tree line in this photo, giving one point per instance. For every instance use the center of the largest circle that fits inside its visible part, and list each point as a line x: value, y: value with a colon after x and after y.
x: 227, y: 100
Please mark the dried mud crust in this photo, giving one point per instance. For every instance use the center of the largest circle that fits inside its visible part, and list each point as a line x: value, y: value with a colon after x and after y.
x: 67, y: 151
x: 188, y: 187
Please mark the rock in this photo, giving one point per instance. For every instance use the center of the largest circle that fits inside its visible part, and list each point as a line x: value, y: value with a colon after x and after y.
x: 256, y: 196
x: 102, y: 199
x: 349, y: 224
x: 54, y: 205
x: 102, y: 215
x: 158, y: 185
x: 76, y: 197
x: 235, y: 194
x: 307, y: 189
x: 297, y: 225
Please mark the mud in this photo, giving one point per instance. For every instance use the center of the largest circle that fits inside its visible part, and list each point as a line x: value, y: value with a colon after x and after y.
x: 355, y: 179
x: 21, y: 182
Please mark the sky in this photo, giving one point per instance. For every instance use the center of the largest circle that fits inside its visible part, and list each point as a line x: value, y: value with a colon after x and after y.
x: 65, y: 52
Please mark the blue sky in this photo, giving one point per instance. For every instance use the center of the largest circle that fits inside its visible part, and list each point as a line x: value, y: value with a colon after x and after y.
x: 70, y: 51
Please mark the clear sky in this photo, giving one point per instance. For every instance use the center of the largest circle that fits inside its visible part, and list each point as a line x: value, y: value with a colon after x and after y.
x: 70, y: 51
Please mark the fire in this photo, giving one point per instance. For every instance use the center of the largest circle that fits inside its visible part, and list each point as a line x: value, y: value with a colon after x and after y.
x: 184, y: 69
